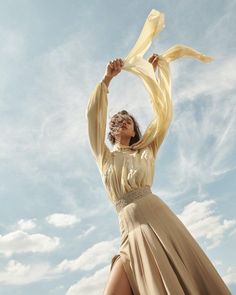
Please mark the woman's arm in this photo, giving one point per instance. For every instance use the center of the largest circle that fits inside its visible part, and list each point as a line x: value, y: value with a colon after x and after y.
x: 159, y: 90
x: 96, y: 119
x: 96, y: 114
x: 161, y: 99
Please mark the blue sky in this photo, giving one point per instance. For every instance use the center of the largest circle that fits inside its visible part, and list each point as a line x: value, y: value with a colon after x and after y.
x: 58, y: 229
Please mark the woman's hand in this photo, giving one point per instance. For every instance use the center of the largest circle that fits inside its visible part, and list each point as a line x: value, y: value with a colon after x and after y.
x: 153, y: 59
x: 113, y: 68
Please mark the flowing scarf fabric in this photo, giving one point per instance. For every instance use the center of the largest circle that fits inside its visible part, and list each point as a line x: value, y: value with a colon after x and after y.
x: 159, y: 90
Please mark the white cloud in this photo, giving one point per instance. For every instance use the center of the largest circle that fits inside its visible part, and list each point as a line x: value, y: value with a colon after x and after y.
x: 91, y: 285
x: 17, y: 273
x: 24, y: 224
x: 62, y: 220
x: 99, y: 253
x: 202, y: 221
x: 230, y: 277
x: 22, y: 242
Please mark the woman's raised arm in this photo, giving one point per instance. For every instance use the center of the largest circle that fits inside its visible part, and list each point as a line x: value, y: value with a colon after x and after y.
x: 96, y: 114
x: 161, y: 97
x: 96, y: 119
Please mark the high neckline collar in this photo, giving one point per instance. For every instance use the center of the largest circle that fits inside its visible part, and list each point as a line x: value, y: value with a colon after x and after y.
x: 119, y: 146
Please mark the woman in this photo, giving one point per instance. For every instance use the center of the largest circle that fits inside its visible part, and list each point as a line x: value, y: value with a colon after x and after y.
x: 157, y: 254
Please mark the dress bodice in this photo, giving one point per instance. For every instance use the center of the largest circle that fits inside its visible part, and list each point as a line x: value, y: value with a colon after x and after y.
x: 127, y: 169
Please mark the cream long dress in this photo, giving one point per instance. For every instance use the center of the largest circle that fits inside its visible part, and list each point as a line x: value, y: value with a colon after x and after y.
x: 158, y: 253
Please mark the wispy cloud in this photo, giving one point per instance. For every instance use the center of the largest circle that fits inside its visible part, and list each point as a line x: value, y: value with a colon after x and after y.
x: 87, y: 232
x: 204, y: 133
x: 216, y: 80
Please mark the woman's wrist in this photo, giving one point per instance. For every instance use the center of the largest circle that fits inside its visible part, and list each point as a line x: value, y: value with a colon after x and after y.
x: 106, y: 80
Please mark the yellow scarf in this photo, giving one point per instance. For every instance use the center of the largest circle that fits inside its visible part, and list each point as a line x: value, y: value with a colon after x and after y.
x: 159, y: 90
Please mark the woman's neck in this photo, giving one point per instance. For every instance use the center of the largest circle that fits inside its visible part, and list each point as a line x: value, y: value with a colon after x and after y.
x: 123, y: 141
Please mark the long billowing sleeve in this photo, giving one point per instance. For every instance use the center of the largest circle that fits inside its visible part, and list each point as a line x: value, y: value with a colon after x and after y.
x: 159, y: 90
x: 96, y: 117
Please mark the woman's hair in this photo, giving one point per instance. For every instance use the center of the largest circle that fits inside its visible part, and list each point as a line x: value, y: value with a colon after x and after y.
x: 114, y: 122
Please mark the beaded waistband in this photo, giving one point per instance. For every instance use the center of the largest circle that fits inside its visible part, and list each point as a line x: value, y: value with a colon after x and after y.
x: 130, y: 196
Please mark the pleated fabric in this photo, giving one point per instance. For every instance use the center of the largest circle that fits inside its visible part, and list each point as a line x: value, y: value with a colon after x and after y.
x: 159, y: 254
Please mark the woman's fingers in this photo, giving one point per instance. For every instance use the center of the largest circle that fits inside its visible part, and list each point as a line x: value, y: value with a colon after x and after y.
x: 121, y: 62
x: 118, y: 63
x: 153, y: 57
x: 115, y: 65
x: 111, y: 64
x: 154, y: 60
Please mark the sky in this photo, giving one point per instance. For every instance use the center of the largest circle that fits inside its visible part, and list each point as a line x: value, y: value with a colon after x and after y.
x: 58, y: 229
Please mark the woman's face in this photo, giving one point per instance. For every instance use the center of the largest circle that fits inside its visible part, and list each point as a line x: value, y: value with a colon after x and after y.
x: 123, y: 126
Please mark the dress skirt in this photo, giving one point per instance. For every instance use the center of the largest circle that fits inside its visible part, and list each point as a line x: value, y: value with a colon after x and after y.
x: 159, y: 254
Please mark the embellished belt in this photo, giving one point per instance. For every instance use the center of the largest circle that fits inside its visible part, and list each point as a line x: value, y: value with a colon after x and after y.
x: 130, y: 196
